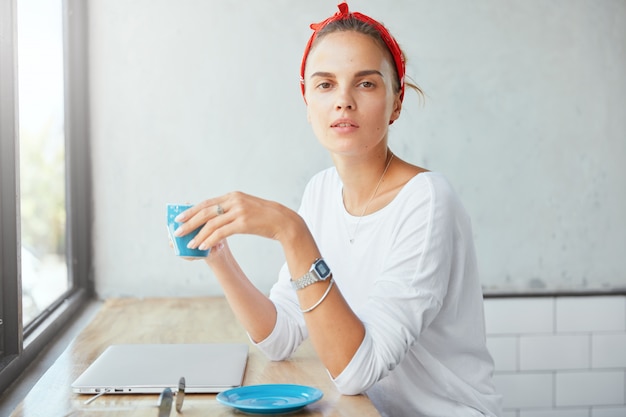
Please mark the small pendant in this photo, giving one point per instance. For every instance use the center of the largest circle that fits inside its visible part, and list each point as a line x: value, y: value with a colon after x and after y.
x: 351, y: 240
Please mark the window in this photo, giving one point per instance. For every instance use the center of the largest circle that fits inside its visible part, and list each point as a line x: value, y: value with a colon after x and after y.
x: 44, y: 198
x: 41, y: 135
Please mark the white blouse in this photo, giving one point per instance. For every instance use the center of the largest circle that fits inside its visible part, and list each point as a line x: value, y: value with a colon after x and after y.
x: 411, y: 276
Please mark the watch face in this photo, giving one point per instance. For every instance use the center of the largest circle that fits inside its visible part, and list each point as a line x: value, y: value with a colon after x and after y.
x: 322, y: 269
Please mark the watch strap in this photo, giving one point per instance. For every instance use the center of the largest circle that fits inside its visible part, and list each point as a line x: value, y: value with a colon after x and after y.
x: 312, y: 276
x: 305, y: 280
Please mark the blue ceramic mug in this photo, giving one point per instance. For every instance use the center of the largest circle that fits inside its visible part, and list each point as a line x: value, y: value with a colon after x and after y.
x: 180, y: 243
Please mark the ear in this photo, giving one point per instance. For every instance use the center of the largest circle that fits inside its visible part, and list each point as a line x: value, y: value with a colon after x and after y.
x: 397, y: 109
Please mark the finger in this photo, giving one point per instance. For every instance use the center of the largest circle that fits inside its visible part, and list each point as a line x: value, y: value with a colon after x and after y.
x: 198, y: 215
x: 218, y: 232
x: 217, y: 251
x: 210, y: 215
x: 211, y: 211
x: 211, y: 233
x: 192, y: 211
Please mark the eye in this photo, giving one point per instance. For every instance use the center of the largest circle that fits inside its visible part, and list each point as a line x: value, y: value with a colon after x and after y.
x: 324, y: 85
x: 367, y: 84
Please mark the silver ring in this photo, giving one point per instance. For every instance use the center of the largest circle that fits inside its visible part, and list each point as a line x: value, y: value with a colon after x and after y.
x: 219, y: 210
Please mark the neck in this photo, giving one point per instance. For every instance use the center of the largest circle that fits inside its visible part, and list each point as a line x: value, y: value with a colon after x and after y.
x: 364, y: 180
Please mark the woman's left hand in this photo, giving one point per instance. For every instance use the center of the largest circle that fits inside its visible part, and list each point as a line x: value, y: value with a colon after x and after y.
x: 233, y: 213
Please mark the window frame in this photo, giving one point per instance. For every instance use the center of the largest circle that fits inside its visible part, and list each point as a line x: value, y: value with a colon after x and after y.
x: 20, y: 346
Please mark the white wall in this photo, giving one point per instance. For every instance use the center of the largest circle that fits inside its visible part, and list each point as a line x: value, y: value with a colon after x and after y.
x: 525, y: 115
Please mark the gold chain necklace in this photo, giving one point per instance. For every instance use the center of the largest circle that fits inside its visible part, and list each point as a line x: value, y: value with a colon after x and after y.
x: 358, y: 223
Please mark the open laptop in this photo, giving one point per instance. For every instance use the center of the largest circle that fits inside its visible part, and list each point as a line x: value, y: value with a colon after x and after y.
x: 149, y: 368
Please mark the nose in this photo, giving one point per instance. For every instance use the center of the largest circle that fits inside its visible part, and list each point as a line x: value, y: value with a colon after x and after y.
x: 344, y: 100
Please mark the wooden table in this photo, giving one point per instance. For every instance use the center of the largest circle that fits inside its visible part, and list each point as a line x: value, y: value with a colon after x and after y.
x: 175, y: 320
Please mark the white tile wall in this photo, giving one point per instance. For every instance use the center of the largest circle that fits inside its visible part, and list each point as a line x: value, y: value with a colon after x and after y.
x: 590, y: 388
x: 559, y: 356
x: 591, y: 314
x: 504, y: 351
x: 523, y: 315
x: 555, y: 352
x: 526, y: 390
x: 608, y: 351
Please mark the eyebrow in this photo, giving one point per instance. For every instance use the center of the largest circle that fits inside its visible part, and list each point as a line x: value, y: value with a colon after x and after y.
x: 363, y: 73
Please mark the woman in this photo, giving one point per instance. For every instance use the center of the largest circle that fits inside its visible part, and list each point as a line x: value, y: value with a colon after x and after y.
x: 380, y: 267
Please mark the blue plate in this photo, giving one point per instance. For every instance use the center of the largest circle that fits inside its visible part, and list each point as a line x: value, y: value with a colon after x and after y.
x: 269, y: 398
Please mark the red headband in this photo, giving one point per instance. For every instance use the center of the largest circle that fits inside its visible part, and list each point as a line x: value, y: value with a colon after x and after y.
x: 344, y: 13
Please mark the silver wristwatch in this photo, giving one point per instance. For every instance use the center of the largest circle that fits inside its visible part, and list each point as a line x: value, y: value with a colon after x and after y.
x: 319, y: 272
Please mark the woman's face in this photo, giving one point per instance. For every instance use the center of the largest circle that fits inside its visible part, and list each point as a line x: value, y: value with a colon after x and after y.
x: 350, y: 97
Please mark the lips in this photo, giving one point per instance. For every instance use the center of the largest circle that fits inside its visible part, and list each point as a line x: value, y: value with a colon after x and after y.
x: 344, y: 123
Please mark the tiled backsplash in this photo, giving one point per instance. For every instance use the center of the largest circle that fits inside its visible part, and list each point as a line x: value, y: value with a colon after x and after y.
x: 559, y: 356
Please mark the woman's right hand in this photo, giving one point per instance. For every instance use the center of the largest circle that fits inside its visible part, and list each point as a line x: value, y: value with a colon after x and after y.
x: 236, y: 213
